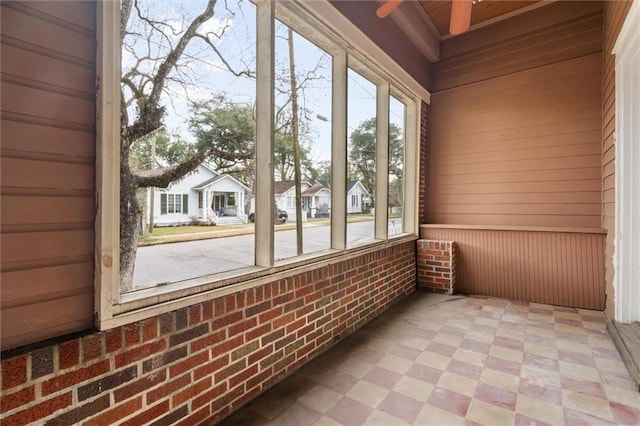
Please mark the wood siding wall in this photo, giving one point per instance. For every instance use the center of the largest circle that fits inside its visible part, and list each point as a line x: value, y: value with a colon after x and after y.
x: 614, y: 14
x: 48, y: 173
x: 557, y: 268
x: 518, y: 142
x: 555, y: 33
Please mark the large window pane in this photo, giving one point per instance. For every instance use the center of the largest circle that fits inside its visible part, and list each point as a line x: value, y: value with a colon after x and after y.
x: 302, y: 140
x: 361, y: 158
x: 180, y: 103
x: 396, y: 166
x: 188, y: 142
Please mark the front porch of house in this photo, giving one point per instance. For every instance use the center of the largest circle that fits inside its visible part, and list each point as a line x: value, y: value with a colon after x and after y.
x: 221, y: 207
x: 317, y: 205
x: 448, y: 360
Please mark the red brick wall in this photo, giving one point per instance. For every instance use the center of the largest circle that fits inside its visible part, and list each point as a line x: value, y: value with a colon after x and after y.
x: 206, y: 360
x: 436, y: 266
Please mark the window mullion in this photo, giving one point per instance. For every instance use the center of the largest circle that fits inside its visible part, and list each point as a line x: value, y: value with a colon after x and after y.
x: 382, y: 161
x: 107, y: 224
x: 411, y: 167
x: 339, y: 153
x: 265, y: 75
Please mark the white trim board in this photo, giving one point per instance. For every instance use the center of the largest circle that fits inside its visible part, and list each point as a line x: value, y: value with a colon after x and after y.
x: 626, y: 257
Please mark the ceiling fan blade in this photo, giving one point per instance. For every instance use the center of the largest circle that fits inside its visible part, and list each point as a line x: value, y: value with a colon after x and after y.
x: 388, y: 7
x: 460, y: 16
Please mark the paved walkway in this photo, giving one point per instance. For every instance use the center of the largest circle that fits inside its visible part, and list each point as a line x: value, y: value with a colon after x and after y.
x: 441, y: 360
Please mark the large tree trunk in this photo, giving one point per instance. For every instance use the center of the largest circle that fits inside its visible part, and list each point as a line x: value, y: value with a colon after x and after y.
x: 129, y: 218
x: 150, y: 114
x: 130, y: 208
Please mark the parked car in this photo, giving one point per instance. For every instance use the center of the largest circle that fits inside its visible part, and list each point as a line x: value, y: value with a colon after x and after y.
x: 280, y: 216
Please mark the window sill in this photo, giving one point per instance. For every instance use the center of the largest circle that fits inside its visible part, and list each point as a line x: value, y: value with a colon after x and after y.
x: 154, y: 301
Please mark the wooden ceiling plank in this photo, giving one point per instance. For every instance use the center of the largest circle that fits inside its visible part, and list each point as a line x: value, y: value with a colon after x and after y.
x: 439, y: 11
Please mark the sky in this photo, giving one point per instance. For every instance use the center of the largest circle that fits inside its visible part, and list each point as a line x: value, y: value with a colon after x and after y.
x: 234, y: 27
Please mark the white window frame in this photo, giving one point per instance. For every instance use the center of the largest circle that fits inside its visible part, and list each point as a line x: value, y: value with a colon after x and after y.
x: 291, y: 202
x: 324, y: 25
x: 399, y: 96
x: 171, y: 203
x: 626, y: 258
x: 174, y: 200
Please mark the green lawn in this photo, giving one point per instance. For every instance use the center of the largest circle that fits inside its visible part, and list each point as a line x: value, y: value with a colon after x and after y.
x: 174, y: 230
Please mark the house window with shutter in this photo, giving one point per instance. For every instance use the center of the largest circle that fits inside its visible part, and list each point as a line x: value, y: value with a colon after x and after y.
x: 174, y: 203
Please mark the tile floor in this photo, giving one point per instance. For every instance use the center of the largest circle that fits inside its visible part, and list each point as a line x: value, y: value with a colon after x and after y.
x: 442, y: 360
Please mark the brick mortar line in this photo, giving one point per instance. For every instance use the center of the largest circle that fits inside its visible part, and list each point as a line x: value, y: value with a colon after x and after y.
x: 370, y: 304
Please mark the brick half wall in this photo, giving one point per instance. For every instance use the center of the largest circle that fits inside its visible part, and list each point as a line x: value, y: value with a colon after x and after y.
x: 200, y: 363
x: 436, y: 266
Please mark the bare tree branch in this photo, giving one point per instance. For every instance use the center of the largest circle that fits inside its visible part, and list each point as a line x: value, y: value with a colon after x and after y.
x: 125, y: 13
x: 155, y: 24
x: 247, y: 73
x: 150, y: 112
x: 136, y: 92
x: 162, y: 178
x: 177, y: 51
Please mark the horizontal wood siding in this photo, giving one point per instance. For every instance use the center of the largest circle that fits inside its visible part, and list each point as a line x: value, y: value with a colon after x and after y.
x: 614, y: 14
x: 551, y: 34
x: 558, y: 268
x: 48, y: 169
x: 516, y: 141
x: 440, y: 11
x: 522, y: 149
x: 516, y: 122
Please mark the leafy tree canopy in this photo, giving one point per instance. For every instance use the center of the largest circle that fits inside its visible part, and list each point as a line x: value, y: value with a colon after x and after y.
x: 227, y: 130
x: 362, y: 155
x: 170, y: 149
x: 323, y: 171
x: 224, y: 126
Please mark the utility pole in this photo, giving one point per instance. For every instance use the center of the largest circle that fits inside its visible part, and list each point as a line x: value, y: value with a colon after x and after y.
x: 296, y: 144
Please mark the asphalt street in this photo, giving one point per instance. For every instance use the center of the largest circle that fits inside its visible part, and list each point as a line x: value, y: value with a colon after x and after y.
x: 167, y: 263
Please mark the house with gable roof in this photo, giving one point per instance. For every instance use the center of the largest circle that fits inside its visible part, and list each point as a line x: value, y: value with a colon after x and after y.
x: 316, y: 198
x: 203, y: 196
x: 358, y: 198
